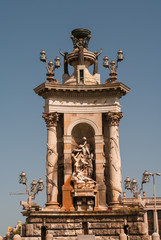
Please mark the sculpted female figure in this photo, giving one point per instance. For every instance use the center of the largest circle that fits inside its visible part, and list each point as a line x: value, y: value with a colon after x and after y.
x: 83, y: 165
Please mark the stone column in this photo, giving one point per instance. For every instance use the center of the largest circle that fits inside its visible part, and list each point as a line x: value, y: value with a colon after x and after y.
x: 114, y: 160
x: 51, y: 120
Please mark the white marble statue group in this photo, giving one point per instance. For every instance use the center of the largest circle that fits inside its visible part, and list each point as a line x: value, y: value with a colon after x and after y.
x: 83, y: 164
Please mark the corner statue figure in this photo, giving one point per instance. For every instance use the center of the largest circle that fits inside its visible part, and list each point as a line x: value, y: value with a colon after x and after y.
x: 83, y: 166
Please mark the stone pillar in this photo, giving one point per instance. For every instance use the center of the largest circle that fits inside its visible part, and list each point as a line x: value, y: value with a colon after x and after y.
x: 114, y: 160
x: 67, y: 158
x: 51, y: 120
x: 146, y: 222
x: 99, y: 163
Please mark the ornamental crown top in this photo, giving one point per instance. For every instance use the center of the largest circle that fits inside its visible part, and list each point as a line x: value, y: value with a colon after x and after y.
x: 81, y: 58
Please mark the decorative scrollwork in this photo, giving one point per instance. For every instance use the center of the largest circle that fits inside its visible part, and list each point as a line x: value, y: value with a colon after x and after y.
x: 113, y: 118
x: 51, y: 119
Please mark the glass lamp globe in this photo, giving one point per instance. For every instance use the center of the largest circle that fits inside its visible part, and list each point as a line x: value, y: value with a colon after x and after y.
x: 120, y: 55
x: 23, y: 178
x: 43, y: 56
x: 134, y: 185
x: 106, y: 62
x: 127, y: 183
x: 33, y: 186
x: 145, y: 177
x: 57, y: 62
x: 40, y: 185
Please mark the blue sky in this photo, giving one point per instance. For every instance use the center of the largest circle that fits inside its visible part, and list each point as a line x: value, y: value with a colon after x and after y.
x: 27, y: 27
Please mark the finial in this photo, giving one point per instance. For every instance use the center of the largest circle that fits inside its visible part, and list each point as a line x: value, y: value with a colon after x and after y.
x: 81, y: 36
x: 50, y: 66
x: 112, y: 66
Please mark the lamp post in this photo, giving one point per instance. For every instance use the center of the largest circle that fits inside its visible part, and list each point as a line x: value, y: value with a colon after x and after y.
x: 155, y: 235
x: 35, y: 186
x: 50, y: 66
x: 112, y: 66
x: 132, y: 185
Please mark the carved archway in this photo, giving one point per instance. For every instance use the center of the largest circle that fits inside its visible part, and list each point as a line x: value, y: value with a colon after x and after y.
x: 79, y: 132
x: 82, y: 120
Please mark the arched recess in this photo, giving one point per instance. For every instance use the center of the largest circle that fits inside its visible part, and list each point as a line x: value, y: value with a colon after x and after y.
x: 74, y: 137
x: 83, y: 130
x: 78, y: 133
x: 83, y: 120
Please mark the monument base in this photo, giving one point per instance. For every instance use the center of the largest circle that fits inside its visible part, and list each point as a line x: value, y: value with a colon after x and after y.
x: 104, y: 225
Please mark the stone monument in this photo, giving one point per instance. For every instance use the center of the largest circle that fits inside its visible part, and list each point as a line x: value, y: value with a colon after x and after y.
x: 83, y: 165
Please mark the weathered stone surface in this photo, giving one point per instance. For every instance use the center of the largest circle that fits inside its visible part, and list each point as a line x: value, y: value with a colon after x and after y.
x: 34, y: 220
x: 64, y: 233
x: 140, y: 218
x: 31, y: 238
x: 117, y: 231
x: 29, y: 230
x: 105, y: 225
x: 100, y: 232
x: 134, y: 237
x: 66, y: 226
x: 116, y: 225
x: 86, y: 237
x: 99, y: 225
x: 38, y: 226
x: 106, y: 238
x: 36, y: 232
x: 137, y: 228
x: 64, y: 238
x: 112, y: 219
x: 134, y: 218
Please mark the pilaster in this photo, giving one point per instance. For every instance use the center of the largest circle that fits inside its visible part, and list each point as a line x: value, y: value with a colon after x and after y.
x: 99, y: 163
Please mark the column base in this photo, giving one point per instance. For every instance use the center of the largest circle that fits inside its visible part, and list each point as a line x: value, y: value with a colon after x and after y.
x: 100, y: 208
x: 115, y: 205
x: 52, y: 205
x: 70, y: 209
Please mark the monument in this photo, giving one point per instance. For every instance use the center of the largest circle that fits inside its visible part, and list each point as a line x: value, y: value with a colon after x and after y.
x: 83, y: 165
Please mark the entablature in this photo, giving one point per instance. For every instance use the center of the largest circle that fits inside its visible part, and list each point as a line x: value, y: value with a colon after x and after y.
x: 48, y: 89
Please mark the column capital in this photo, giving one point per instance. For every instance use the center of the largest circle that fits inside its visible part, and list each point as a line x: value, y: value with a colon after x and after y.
x: 113, y: 118
x: 51, y: 119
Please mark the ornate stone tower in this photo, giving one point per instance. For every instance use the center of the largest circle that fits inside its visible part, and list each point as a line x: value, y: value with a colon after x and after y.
x: 83, y: 166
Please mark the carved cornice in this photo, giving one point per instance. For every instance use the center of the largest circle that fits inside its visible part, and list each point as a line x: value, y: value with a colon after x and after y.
x: 49, y: 89
x: 51, y: 119
x: 113, y: 118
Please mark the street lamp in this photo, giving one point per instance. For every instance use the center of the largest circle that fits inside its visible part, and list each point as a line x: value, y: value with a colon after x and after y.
x: 35, y: 186
x: 112, y: 66
x: 155, y: 235
x: 50, y: 66
x: 132, y: 185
